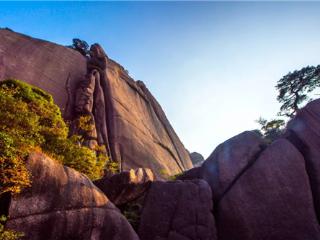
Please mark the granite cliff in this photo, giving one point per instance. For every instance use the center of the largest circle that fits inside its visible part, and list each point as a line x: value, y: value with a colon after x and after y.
x: 128, y: 120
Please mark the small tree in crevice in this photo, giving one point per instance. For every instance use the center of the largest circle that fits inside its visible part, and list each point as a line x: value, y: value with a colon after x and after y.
x: 81, y: 46
x: 272, y: 129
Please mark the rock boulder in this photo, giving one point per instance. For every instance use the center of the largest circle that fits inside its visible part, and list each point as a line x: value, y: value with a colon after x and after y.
x: 179, y: 210
x: 196, y: 158
x: 304, y: 132
x: 64, y: 204
x: 127, y: 186
x: 229, y: 160
x: 271, y: 200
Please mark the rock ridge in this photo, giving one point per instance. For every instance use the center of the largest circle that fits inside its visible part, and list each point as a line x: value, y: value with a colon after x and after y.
x: 112, y: 99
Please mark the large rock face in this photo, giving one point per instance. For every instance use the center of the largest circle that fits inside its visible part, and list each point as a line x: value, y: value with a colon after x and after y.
x: 64, y: 204
x: 304, y: 132
x: 49, y: 66
x: 139, y: 133
x: 178, y: 210
x: 229, y: 160
x: 263, y: 191
x: 270, y: 200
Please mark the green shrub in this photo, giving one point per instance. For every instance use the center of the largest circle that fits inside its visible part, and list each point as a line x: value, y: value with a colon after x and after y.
x: 164, y: 173
x: 174, y: 177
x: 132, y: 212
x: 29, y: 119
x: 6, y: 234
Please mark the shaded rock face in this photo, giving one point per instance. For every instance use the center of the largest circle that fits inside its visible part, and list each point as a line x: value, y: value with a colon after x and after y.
x: 265, y: 191
x: 196, y: 158
x: 64, y: 204
x: 271, y: 200
x: 179, y: 210
x: 127, y: 186
x: 92, y: 102
x: 229, y: 160
x: 127, y: 116
x: 304, y: 132
x: 191, y: 174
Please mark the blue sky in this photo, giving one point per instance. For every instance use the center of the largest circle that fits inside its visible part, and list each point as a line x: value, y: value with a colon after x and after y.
x: 211, y: 65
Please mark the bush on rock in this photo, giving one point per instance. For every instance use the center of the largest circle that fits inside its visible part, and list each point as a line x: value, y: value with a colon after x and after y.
x: 29, y: 121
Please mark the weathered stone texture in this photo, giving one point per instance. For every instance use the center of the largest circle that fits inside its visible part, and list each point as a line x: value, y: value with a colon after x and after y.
x: 304, y: 132
x: 271, y: 200
x: 179, y: 210
x: 229, y: 160
x: 139, y: 129
x: 127, y: 186
x: 64, y: 204
x: 49, y: 66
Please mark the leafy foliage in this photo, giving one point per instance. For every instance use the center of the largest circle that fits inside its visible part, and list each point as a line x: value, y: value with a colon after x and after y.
x: 6, y: 234
x: 29, y: 119
x: 294, y: 87
x: 80, y: 46
x: 294, y: 90
x: 175, y: 176
x: 85, y: 123
x: 272, y: 129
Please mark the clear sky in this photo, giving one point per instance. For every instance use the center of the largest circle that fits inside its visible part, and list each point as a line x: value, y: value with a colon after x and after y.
x: 211, y: 65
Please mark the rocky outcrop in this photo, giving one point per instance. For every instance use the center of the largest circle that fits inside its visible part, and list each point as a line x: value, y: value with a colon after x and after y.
x: 127, y: 186
x: 127, y: 117
x: 179, y: 210
x: 263, y: 191
x: 304, y: 132
x: 141, y: 131
x: 270, y: 200
x: 91, y: 104
x: 64, y: 204
x: 52, y: 67
x: 196, y: 158
x: 229, y: 160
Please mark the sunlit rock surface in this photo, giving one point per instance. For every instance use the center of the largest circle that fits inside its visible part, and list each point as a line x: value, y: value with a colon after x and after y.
x: 127, y: 186
x: 64, y: 204
x: 139, y: 133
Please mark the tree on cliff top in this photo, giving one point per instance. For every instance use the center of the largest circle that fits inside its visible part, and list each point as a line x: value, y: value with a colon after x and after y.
x: 295, y: 87
x: 294, y: 90
x: 272, y: 129
x: 80, y: 46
